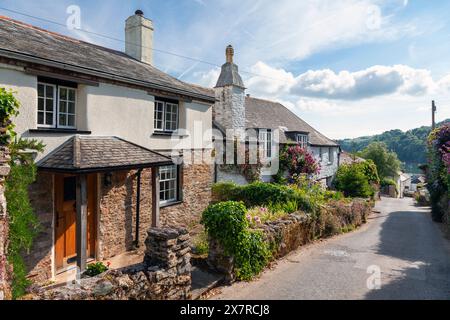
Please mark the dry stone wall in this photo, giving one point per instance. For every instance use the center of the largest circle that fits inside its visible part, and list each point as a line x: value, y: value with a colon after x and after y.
x: 4, y: 226
x: 294, y: 230
x: 165, y: 274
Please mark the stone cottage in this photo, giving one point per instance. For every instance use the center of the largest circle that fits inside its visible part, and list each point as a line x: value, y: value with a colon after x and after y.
x: 119, y: 155
x: 271, y: 124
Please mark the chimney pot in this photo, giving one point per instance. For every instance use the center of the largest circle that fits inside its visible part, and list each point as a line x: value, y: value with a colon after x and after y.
x: 229, y: 54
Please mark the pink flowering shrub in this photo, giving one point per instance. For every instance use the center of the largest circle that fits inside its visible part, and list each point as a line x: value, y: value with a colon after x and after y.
x: 438, y: 172
x: 298, y: 161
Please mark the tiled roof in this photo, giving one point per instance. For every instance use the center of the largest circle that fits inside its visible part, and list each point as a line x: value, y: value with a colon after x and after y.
x: 347, y: 158
x: 32, y: 42
x: 267, y: 114
x: 273, y: 115
x: 83, y: 153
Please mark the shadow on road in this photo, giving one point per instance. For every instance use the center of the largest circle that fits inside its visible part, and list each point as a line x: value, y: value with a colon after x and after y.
x: 418, y: 244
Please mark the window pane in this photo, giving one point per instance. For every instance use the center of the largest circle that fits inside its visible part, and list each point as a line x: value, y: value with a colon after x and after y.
x: 41, y: 90
x: 49, y: 105
x: 71, y: 108
x: 72, y: 95
x: 63, y: 94
x: 63, y: 106
x: 41, y: 118
x: 62, y: 120
x: 71, y: 120
x: 41, y: 104
x: 49, y: 118
x: 49, y: 91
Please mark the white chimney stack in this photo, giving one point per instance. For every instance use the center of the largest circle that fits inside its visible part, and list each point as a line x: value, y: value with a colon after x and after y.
x: 139, y: 37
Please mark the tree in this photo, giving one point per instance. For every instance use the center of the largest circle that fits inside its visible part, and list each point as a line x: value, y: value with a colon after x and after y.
x: 353, y: 180
x: 387, y: 162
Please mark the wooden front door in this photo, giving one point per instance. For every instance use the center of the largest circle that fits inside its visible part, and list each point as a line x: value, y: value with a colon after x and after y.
x: 65, y: 220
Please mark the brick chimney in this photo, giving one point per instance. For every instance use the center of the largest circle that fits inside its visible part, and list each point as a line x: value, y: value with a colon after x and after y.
x: 139, y: 37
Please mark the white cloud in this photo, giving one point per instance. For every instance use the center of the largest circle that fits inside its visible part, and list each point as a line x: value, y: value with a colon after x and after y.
x: 265, y: 80
x: 367, y: 83
x: 343, y: 85
x: 207, y: 79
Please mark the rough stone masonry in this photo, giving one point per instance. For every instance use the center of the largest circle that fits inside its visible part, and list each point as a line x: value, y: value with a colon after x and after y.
x: 165, y: 274
x: 4, y: 227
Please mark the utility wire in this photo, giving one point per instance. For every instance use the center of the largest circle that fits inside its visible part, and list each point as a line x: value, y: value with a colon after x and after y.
x: 122, y: 41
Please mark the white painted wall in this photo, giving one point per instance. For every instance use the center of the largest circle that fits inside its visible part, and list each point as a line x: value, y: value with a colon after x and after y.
x: 328, y: 168
x: 110, y: 110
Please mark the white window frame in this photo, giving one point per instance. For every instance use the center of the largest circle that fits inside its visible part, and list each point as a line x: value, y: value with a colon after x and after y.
x: 330, y: 155
x: 56, y: 100
x: 303, y: 140
x: 67, y: 111
x: 55, y: 89
x: 176, y: 184
x: 164, y: 116
x: 265, y: 143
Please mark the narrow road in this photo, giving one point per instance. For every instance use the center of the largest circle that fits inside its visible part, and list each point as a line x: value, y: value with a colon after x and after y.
x: 400, y: 251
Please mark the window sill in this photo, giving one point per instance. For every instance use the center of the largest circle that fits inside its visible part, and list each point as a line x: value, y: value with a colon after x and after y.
x: 170, y: 204
x: 169, y: 134
x: 64, y: 131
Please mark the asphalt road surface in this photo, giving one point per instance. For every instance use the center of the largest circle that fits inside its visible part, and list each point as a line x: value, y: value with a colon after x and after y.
x: 399, y: 254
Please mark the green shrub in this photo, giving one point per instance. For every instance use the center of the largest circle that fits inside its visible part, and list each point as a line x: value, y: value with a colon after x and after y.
x: 353, y: 182
x: 23, y: 223
x: 260, y: 193
x: 276, y: 197
x: 227, y: 223
x: 386, y: 182
x: 201, y: 243
x: 94, y: 269
x: 225, y: 191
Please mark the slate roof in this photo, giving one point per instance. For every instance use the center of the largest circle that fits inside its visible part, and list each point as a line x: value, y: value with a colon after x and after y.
x: 229, y: 76
x: 347, y: 158
x: 90, y: 154
x: 28, y: 42
x: 266, y: 114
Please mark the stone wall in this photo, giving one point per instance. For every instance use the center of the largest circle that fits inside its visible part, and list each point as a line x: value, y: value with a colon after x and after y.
x: 197, y: 184
x: 4, y: 226
x: 229, y: 110
x: 39, y: 260
x: 117, y: 212
x: 294, y: 230
x: 165, y: 274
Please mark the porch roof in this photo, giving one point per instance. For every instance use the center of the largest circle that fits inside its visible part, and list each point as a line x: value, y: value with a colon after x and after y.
x: 83, y: 154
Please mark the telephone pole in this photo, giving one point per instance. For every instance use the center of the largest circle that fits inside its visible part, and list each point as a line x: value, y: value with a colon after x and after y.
x: 433, y: 114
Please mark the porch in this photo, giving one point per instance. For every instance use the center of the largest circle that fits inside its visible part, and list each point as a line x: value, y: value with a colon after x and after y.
x: 83, y: 170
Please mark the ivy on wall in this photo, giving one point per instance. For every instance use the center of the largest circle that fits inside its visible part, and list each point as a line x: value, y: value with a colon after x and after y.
x: 23, y: 223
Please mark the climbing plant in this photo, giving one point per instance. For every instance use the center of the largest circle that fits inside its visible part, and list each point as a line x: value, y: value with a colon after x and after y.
x: 227, y: 223
x: 23, y: 223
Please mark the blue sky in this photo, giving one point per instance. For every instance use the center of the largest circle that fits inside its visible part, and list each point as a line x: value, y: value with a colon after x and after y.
x: 349, y: 67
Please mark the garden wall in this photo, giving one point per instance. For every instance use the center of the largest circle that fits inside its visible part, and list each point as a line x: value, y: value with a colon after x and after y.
x: 4, y: 226
x: 165, y: 274
x: 294, y: 230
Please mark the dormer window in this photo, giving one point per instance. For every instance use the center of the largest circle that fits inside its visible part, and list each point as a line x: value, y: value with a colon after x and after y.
x: 302, y: 140
x: 166, y: 115
x: 56, y: 106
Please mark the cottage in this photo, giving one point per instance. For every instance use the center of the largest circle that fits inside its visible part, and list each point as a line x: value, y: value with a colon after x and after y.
x: 271, y: 124
x: 119, y: 157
